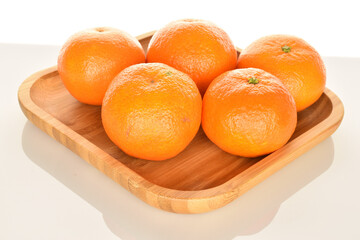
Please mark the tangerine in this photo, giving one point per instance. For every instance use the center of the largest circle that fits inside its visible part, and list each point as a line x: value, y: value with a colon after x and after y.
x: 152, y: 111
x: 297, y: 64
x: 90, y: 59
x: 248, y: 112
x: 198, y: 48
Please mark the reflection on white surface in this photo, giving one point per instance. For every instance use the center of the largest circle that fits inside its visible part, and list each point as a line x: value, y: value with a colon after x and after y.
x: 130, y: 218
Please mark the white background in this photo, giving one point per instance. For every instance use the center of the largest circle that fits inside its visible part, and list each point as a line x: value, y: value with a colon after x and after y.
x: 332, y: 27
x: 47, y: 192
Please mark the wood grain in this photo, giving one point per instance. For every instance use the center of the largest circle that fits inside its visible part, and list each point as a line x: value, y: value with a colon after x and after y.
x: 201, y: 178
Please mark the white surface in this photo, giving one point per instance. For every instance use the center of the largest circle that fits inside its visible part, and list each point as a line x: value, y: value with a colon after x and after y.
x: 47, y: 192
x: 330, y: 26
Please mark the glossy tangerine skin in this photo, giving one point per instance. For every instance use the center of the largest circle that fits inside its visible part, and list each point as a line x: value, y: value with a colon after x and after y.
x: 90, y: 59
x: 301, y: 70
x: 196, y: 47
x: 152, y: 111
x: 246, y: 119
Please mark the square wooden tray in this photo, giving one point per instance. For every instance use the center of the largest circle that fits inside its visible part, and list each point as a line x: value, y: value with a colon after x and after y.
x: 200, y: 179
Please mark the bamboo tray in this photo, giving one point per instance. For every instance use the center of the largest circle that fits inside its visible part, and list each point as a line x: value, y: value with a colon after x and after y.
x: 200, y: 179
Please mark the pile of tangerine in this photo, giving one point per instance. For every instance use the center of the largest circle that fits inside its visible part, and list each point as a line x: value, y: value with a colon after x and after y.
x: 153, y: 104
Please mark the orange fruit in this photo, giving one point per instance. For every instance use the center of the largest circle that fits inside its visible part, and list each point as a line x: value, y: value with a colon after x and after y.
x: 90, y: 59
x: 196, y: 47
x: 248, y: 112
x: 152, y: 111
x: 291, y: 59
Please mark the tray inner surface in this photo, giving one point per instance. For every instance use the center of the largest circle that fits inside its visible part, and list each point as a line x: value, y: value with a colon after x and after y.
x: 202, y: 165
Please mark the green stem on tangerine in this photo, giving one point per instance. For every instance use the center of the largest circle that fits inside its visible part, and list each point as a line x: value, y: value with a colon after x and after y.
x: 253, y: 80
x: 286, y: 48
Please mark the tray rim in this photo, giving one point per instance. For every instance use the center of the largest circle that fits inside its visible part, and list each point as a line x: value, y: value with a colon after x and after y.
x: 179, y: 201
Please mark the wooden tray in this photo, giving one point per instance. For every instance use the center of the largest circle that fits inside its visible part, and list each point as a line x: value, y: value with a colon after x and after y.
x: 200, y: 179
